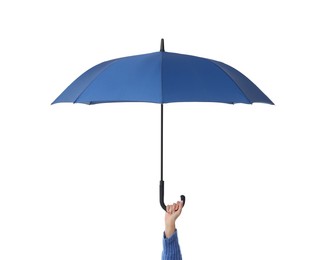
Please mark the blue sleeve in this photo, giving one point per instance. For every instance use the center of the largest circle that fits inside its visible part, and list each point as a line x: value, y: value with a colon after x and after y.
x: 171, y: 249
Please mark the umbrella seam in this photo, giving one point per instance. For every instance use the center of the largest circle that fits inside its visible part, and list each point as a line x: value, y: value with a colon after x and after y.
x: 161, y: 81
x: 231, y: 79
x: 108, y: 65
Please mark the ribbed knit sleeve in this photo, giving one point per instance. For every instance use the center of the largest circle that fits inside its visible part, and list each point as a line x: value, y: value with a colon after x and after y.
x: 171, y: 249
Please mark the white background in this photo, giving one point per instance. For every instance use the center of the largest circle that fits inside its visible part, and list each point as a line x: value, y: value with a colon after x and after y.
x: 81, y: 182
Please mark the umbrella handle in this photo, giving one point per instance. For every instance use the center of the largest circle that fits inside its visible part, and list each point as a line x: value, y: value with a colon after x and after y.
x: 162, y: 195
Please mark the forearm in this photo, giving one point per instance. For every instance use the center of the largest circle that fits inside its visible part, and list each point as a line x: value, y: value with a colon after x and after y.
x: 171, y: 249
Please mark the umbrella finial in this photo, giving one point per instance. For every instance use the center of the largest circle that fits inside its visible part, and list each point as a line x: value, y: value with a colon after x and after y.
x: 162, y: 45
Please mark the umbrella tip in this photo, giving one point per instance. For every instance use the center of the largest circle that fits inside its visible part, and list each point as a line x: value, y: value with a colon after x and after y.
x: 162, y: 45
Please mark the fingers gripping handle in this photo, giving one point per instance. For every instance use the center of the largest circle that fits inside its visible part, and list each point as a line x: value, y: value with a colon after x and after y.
x: 162, y: 195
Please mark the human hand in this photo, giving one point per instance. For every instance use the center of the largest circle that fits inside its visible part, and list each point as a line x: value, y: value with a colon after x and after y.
x: 172, y: 213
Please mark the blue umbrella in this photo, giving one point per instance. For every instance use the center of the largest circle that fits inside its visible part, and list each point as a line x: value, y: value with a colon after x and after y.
x: 162, y: 77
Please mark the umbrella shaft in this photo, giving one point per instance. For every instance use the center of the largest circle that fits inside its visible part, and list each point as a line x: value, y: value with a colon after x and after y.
x: 161, y: 142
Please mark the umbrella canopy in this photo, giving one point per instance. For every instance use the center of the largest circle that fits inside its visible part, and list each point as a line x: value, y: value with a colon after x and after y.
x: 162, y: 77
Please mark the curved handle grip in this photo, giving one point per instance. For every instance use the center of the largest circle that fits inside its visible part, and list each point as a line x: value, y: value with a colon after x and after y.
x: 162, y: 195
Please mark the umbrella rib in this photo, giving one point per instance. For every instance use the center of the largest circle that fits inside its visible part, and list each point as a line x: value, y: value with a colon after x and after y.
x: 250, y: 102
x: 108, y: 65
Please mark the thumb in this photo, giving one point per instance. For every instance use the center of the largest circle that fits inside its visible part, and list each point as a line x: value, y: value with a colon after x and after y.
x: 180, y: 206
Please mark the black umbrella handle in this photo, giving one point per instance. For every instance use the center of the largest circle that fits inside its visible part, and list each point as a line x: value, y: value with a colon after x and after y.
x: 162, y: 195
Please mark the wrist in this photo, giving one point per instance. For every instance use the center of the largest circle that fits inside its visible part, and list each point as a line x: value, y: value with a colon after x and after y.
x: 169, y: 229
x: 170, y: 225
